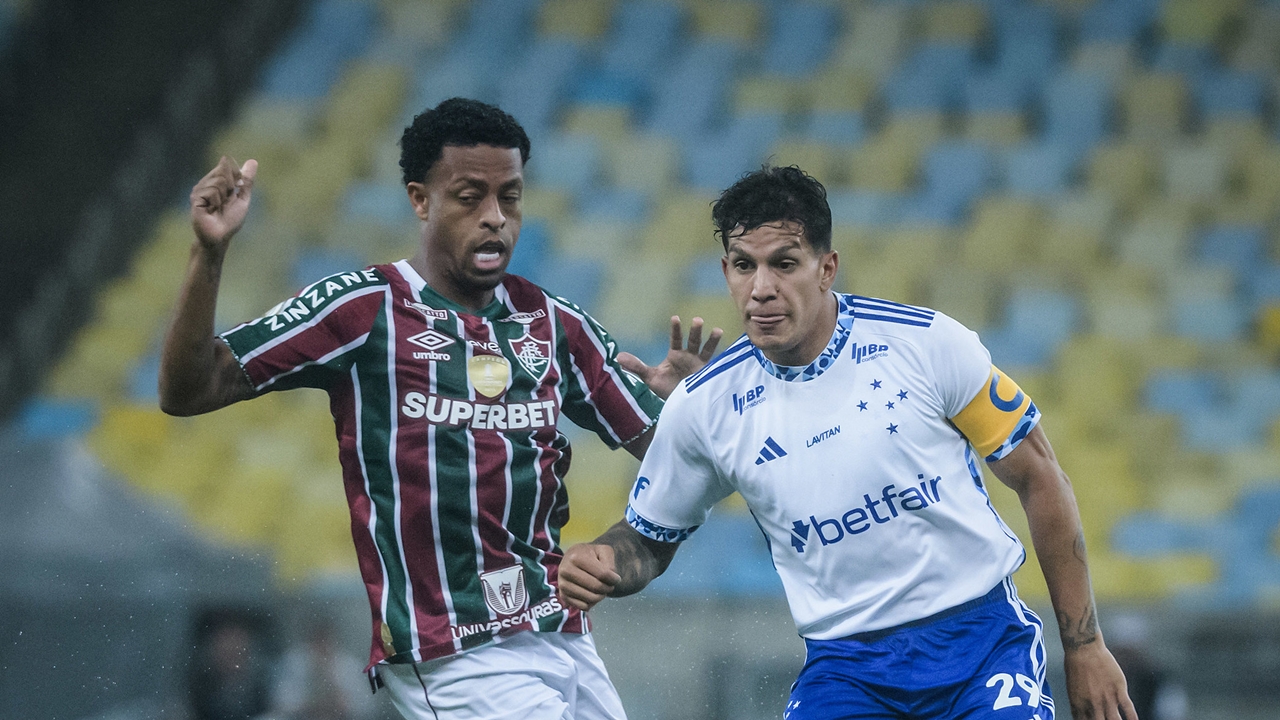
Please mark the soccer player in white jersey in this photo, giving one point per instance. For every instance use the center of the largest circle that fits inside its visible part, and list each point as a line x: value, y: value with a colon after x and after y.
x: 853, y: 428
x: 446, y: 378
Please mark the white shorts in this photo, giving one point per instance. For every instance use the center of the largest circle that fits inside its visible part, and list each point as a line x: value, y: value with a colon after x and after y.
x: 528, y: 676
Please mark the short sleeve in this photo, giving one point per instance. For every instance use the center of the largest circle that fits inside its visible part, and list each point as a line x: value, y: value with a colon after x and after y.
x: 959, y: 362
x: 678, y: 483
x: 309, y: 339
x: 598, y: 395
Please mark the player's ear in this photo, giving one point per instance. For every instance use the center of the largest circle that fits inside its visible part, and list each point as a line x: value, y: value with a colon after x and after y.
x: 829, y: 262
x: 419, y: 198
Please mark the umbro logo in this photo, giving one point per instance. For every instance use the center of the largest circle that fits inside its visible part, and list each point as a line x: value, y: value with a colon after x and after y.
x: 771, y: 451
x: 431, y: 340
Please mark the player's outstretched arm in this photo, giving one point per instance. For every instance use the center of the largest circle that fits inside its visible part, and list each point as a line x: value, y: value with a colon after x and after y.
x: 681, y: 361
x: 1096, y: 686
x: 198, y: 373
x: 619, y: 562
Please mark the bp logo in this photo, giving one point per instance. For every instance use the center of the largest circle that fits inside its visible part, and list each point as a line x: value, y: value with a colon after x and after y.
x: 504, y: 590
x: 534, y: 355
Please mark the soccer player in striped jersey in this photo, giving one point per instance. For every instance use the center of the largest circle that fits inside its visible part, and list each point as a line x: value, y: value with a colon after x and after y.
x: 447, y: 378
x: 852, y: 428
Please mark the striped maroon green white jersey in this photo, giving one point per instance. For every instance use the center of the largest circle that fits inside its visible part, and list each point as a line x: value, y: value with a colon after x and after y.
x: 446, y: 422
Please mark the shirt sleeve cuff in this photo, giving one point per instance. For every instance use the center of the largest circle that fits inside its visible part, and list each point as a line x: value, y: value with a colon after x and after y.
x: 654, y: 531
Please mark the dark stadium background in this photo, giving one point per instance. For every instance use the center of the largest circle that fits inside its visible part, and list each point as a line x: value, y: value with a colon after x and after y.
x: 1093, y: 185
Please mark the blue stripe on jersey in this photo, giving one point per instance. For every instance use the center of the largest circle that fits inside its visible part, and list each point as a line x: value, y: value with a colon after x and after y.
x: 900, y: 307
x: 886, y: 318
x: 742, y: 342
x: 694, y: 382
x: 881, y: 308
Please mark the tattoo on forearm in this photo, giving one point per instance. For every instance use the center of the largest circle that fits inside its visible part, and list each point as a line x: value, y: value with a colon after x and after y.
x: 1078, y: 632
x: 1079, y: 549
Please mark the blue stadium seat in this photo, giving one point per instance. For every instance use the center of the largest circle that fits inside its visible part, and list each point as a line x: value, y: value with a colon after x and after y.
x: 1239, y: 247
x: 1077, y: 110
x: 1039, y: 169
x: 686, y: 99
x: 1219, y: 429
x: 1191, y: 61
x: 865, y: 208
x: 1116, y: 21
x: 532, y: 249
x: 643, y: 39
x: 1256, y: 396
x: 930, y: 79
x: 1210, y: 319
x: 567, y: 162
x: 607, y: 87
x: 315, y: 263
x: 990, y: 92
x: 954, y: 174
x: 800, y: 39
x: 43, y: 418
x: 1264, y: 285
x: 835, y: 127
x: 453, y: 76
x: 495, y: 34
x: 713, y: 162
x: 576, y: 278
x: 1227, y: 94
x: 378, y: 203
x: 332, y: 32
x: 533, y: 90
x: 1183, y: 391
x: 1037, y: 322
x: 1148, y: 535
x: 626, y: 205
x: 705, y: 276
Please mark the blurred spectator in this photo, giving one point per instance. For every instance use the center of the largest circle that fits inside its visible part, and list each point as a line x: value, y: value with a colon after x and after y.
x: 229, y: 673
x: 1155, y: 695
x: 318, y: 681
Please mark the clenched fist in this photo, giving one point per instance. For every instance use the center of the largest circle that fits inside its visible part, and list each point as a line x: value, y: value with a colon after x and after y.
x: 220, y: 201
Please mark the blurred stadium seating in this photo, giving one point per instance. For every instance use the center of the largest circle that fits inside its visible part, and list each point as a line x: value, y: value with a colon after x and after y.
x: 1093, y: 186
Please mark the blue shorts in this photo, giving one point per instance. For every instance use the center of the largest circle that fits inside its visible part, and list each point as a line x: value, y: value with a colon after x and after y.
x: 982, y: 660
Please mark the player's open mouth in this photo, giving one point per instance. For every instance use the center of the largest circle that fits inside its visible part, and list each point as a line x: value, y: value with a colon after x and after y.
x: 488, y: 258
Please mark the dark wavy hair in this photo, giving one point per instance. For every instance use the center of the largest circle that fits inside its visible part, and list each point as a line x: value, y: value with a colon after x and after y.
x: 461, y: 122
x: 773, y: 194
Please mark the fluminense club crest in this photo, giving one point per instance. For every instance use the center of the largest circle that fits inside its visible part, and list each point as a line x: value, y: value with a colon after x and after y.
x: 504, y: 590
x: 534, y: 354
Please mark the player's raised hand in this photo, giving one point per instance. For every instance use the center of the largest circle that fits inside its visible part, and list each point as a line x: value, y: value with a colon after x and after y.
x: 681, y: 361
x: 220, y: 201
x: 587, y: 575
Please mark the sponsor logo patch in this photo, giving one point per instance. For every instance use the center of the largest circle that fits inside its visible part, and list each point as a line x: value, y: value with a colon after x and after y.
x: 524, y: 318
x: 427, y: 311
x: 431, y: 340
x: 771, y: 451
x: 748, y: 400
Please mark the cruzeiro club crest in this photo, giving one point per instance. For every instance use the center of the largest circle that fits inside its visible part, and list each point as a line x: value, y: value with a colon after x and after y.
x: 504, y: 590
x: 534, y: 354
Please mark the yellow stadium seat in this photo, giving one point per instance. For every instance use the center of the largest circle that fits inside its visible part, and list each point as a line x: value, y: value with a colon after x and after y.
x: 1125, y: 172
x: 307, y: 196
x: 886, y: 163
x: 1121, y: 314
x: 1248, y: 466
x: 1255, y: 49
x: 965, y: 293
x: 600, y: 239
x: 1269, y: 329
x: 1154, y: 107
x: 1000, y: 233
x: 825, y: 163
x: 768, y: 94
x: 1095, y: 375
x: 1074, y: 234
x: 1260, y: 179
x: 1198, y: 22
x: 953, y: 20
x: 1239, y: 136
x: 1111, y: 60
x: 269, y: 131
x: 314, y: 541
x: 428, y: 24
x: 840, y: 90
x: 876, y: 39
x: 993, y: 128
x: 366, y: 98
x: 1196, y: 173
x: 129, y: 437
x: 609, y: 123
x: 737, y: 20
x: 643, y: 162
x: 581, y: 19
x: 545, y: 203
x: 245, y: 507
x: 1159, y: 237
x: 853, y: 244
x: 681, y: 229
x: 715, y: 311
x: 638, y: 298
x: 598, y: 482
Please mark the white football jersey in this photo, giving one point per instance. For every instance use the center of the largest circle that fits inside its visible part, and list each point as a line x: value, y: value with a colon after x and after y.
x: 855, y: 467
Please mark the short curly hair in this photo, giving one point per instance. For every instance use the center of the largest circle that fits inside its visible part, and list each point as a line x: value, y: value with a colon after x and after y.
x: 773, y: 194
x: 456, y: 121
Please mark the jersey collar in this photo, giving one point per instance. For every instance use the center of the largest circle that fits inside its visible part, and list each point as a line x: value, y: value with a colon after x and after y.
x: 427, y: 294
x: 803, y: 373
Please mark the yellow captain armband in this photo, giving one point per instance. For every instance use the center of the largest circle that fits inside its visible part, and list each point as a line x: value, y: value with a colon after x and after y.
x: 998, y: 418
